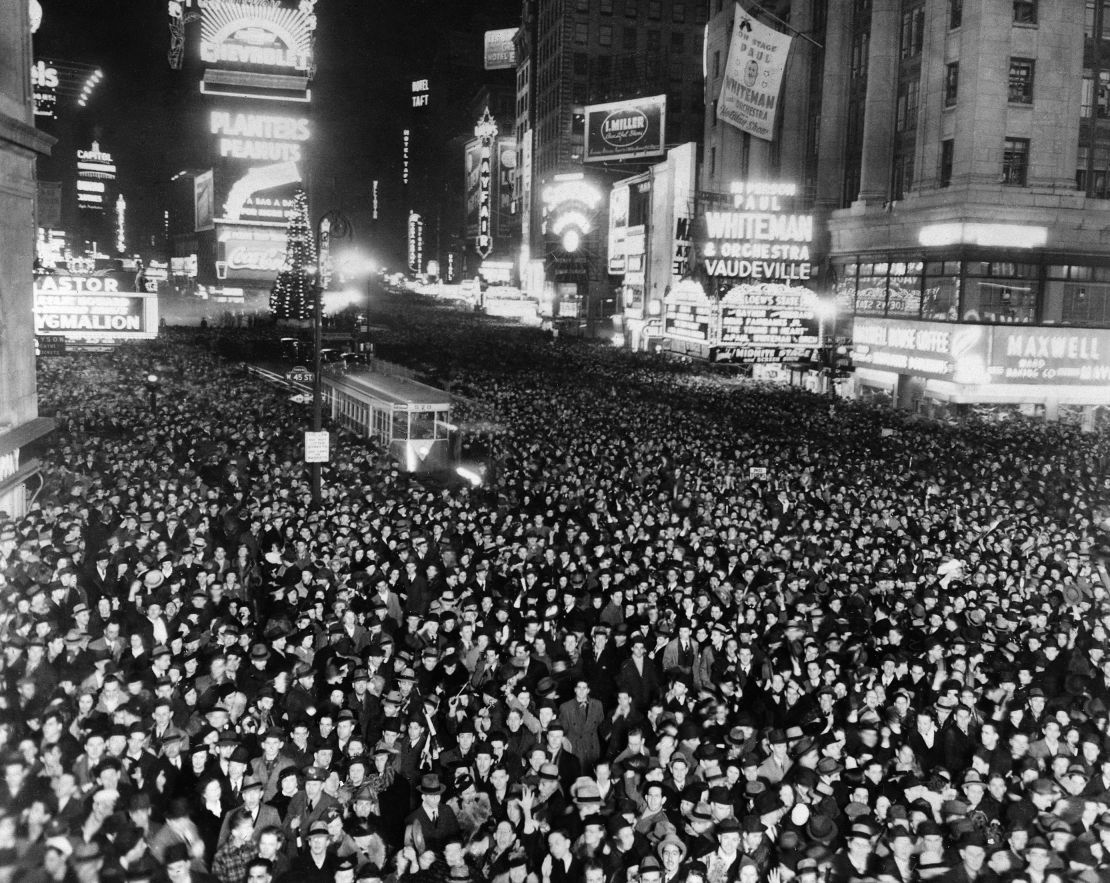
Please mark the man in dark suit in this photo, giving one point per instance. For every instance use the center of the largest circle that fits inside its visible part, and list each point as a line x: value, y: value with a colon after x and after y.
x: 262, y: 814
x: 639, y: 676
x: 582, y: 717
x: 432, y: 824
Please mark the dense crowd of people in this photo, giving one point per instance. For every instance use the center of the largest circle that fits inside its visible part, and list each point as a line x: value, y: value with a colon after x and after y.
x: 697, y: 632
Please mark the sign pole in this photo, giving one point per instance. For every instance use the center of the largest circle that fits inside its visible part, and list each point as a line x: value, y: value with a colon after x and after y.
x: 331, y: 224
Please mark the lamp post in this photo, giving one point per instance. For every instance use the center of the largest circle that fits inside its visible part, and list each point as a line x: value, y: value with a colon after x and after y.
x: 826, y: 314
x: 151, y: 381
x: 332, y: 225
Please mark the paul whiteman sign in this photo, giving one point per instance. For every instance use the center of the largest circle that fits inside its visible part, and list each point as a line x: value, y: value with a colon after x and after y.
x: 750, y: 89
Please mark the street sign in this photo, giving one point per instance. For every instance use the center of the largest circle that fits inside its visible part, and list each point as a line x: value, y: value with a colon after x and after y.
x: 316, y: 447
x: 299, y: 374
x: 50, y: 345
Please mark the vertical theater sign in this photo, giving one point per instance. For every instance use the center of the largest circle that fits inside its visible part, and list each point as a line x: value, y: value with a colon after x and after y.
x: 486, y: 132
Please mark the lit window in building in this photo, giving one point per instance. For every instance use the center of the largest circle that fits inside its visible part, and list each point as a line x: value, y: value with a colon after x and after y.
x: 1000, y: 292
x: 951, y: 83
x: 1025, y: 12
x: 1021, y: 81
x: 947, y: 151
x: 1015, y: 162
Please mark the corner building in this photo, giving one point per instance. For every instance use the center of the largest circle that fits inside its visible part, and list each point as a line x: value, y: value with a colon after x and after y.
x: 957, y: 152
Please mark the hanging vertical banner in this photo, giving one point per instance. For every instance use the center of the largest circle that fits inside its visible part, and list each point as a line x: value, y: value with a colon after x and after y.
x: 204, y: 202
x: 753, y: 77
x: 486, y: 131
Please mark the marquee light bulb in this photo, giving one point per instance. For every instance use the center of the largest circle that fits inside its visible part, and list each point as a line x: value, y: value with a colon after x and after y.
x: 571, y: 240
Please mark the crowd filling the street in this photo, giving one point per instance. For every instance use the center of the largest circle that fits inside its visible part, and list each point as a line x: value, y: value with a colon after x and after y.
x: 693, y: 631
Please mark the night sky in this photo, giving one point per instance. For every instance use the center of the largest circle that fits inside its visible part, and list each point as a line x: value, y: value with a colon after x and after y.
x: 367, y: 54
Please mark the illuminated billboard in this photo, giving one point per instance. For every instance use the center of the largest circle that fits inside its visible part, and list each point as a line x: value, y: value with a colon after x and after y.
x: 91, y: 308
x: 248, y: 252
x: 499, y: 50
x: 251, y: 36
x: 632, y: 129
x: 257, y: 156
x: 761, y: 239
x: 45, y: 81
x: 984, y: 354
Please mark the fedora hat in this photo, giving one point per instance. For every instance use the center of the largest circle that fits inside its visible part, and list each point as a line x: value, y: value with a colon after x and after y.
x: 821, y: 829
x: 430, y: 784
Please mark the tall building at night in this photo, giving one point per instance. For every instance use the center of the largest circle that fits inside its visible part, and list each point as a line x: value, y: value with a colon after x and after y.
x: 576, y: 53
x: 956, y: 157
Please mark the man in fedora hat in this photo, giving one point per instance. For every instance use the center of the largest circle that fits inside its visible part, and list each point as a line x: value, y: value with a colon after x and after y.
x: 433, y: 822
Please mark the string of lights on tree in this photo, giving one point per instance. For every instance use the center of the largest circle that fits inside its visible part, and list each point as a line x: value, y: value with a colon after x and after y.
x: 293, y: 291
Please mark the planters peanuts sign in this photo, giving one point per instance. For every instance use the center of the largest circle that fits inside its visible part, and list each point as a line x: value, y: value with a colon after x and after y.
x: 630, y: 129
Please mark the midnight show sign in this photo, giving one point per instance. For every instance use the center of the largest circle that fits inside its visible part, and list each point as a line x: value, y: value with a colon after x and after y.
x: 769, y: 315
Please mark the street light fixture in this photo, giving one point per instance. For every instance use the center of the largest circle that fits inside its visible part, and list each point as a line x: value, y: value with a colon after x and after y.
x: 152, y: 383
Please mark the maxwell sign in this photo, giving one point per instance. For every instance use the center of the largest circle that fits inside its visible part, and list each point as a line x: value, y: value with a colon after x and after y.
x: 620, y: 130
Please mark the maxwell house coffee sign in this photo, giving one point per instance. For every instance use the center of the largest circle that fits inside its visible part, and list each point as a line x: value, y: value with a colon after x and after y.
x: 242, y: 35
x: 632, y: 129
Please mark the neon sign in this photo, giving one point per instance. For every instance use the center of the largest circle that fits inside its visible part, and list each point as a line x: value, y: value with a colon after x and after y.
x: 252, y: 35
x: 259, y: 136
x: 486, y: 130
x: 421, y: 93
x: 761, y: 239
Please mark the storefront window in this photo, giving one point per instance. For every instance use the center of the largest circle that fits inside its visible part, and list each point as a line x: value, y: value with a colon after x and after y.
x: 1000, y: 301
x: 1085, y: 304
x: 871, y: 292
x: 904, y: 291
x: 941, y: 301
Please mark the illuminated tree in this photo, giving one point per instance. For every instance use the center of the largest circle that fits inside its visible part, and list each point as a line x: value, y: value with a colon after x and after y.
x: 293, y: 291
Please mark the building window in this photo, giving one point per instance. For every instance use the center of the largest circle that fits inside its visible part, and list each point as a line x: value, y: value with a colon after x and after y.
x: 951, y: 83
x: 859, y: 56
x: 581, y: 64
x: 677, y: 70
x: 630, y: 10
x: 674, y: 102
x: 903, y: 175
x: 1025, y: 12
x: 1102, y: 107
x: 605, y: 7
x: 913, y: 31
x: 1086, y: 304
x: 605, y: 35
x: 678, y: 13
x: 1015, y: 162
x: 678, y: 41
x: 947, y: 151
x: 653, y: 41
x: 1021, y: 81
x: 581, y: 32
x: 582, y: 5
x: 906, y: 109
x: 628, y: 39
x: 955, y: 13
x: 654, y: 11
x: 713, y: 159
x: 717, y: 63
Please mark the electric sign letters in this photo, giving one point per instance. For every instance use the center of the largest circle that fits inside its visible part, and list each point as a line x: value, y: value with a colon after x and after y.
x: 762, y: 239
x: 486, y: 130
x: 259, y: 136
x: 255, y: 35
